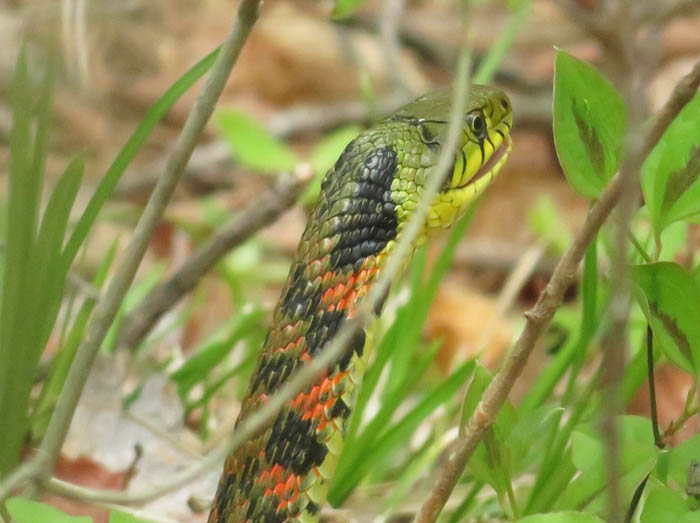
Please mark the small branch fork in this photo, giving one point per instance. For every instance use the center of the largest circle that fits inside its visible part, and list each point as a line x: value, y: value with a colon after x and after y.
x: 540, y: 315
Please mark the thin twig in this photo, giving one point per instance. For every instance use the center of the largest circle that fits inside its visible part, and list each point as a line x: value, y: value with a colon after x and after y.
x: 109, y: 303
x: 260, y: 212
x: 683, y: 92
x: 537, y: 320
x: 389, y: 29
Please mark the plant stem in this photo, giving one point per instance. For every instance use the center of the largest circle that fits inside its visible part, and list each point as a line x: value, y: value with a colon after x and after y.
x: 658, y: 441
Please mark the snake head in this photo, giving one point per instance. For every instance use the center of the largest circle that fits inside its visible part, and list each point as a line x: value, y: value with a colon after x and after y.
x: 483, y: 149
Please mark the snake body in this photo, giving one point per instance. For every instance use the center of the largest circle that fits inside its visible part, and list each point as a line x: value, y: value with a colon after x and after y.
x: 282, y: 474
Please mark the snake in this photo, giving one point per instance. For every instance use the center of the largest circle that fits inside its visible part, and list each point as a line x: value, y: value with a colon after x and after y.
x: 282, y: 474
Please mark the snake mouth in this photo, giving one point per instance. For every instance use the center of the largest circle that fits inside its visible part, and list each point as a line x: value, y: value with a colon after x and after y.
x: 493, y: 164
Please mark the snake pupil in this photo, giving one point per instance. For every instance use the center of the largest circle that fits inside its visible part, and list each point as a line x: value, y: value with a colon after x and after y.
x: 477, y: 124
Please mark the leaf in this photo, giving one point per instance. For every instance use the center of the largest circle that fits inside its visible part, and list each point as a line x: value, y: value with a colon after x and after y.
x: 27, y: 511
x: 589, y: 123
x: 107, y: 184
x: 254, y: 147
x: 670, y: 301
x: 547, y: 223
x: 680, y: 458
x: 671, y: 172
x: 665, y: 504
x: 638, y: 457
x: 398, y: 433
x: 561, y: 517
x: 215, y: 349
x: 123, y: 517
x: 344, y: 8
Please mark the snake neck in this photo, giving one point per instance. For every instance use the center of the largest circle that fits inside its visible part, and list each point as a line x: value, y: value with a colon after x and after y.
x: 366, y: 199
x: 283, y: 473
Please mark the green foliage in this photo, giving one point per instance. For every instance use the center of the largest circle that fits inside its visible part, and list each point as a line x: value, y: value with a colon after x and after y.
x: 553, y: 435
x: 547, y: 223
x: 561, y: 517
x: 589, y: 122
x: 406, y: 366
x: 253, y: 147
x: 345, y: 8
x: 122, y: 517
x: 27, y: 511
x: 669, y: 298
x: 670, y: 175
x: 217, y: 347
x: 39, y: 251
x: 667, y: 504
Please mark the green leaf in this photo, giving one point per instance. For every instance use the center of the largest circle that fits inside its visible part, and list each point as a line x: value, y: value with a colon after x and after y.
x: 48, y: 276
x: 123, y: 517
x: 547, y: 223
x: 561, y: 517
x: 27, y: 511
x: 324, y: 155
x: 670, y: 301
x: 589, y: 123
x: 665, y: 504
x: 671, y: 172
x: 43, y: 408
x: 17, y: 360
x: 344, y: 8
x: 215, y: 349
x: 397, y: 434
x: 107, y: 184
x: 254, y: 147
x: 680, y: 458
x: 638, y: 457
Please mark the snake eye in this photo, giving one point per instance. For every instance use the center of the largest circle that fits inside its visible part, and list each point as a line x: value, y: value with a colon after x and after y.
x: 477, y: 124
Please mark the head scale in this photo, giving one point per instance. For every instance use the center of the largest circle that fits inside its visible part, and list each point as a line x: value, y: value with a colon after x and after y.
x: 483, y: 148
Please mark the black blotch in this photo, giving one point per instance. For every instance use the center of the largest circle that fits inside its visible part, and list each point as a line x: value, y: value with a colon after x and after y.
x: 274, y: 368
x: 224, y: 493
x: 301, y: 298
x: 356, y: 345
x: 312, y: 508
x: 340, y: 409
x: 323, y: 327
x: 271, y: 516
x: 293, y: 444
x: 249, y: 471
x: 368, y: 219
x: 379, y: 305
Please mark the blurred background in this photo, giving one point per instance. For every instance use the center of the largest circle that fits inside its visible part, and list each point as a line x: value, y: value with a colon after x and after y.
x: 310, y: 83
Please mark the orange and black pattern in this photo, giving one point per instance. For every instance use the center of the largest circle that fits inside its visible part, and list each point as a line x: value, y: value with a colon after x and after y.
x: 274, y: 477
x: 282, y: 474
